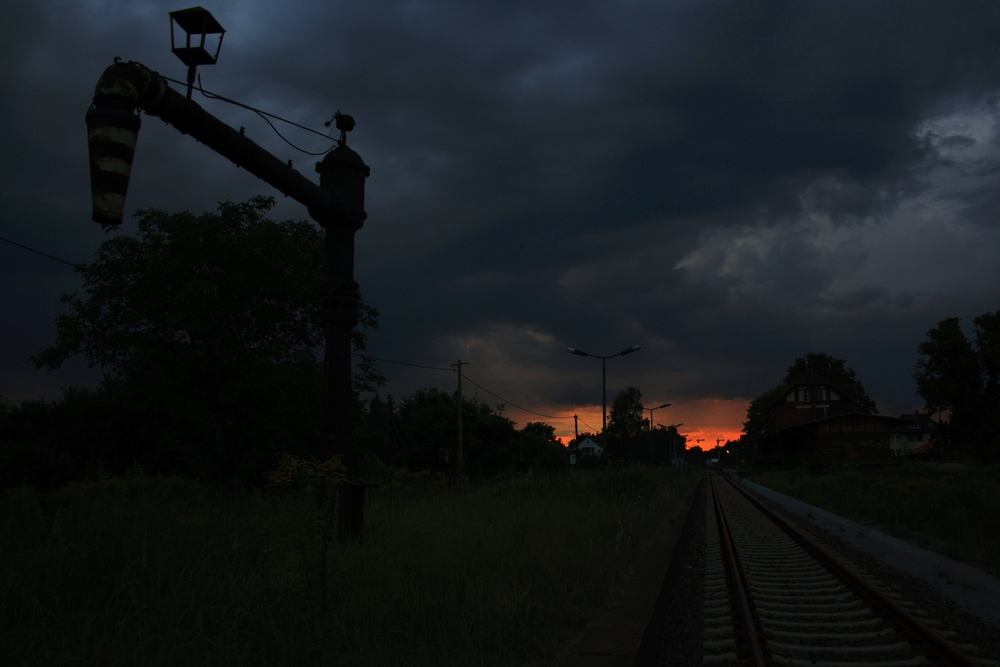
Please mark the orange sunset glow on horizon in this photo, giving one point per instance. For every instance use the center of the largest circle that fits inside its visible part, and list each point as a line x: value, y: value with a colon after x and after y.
x: 707, y: 419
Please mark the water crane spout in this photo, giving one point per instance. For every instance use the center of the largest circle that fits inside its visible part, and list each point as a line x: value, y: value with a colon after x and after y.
x: 112, y: 129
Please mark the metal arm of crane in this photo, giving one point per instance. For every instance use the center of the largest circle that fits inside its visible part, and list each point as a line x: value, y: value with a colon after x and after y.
x: 125, y: 87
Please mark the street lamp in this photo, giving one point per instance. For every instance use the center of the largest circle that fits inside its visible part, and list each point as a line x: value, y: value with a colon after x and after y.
x: 673, y: 441
x: 604, y: 385
x: 651, y: 441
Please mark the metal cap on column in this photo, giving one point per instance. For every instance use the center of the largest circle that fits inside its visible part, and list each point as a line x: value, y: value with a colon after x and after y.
x: 342, y: 173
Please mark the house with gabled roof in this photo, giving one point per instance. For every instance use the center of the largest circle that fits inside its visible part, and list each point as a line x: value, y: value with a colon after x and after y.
x: 818, y: 418
x: 588, y: 447
x: 913, y: 437
x: 812, y: 398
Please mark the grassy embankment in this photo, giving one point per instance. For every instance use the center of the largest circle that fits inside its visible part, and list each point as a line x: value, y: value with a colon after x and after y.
x: 164, y: 571
x: 951, y: 512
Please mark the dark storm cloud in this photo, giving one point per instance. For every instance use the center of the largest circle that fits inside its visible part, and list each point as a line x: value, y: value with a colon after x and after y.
x: 958, y: 141
x: 982, y: 207
x: 548, y: 174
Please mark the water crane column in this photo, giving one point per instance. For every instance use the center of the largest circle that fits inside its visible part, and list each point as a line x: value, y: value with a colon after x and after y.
x: 337, y: 204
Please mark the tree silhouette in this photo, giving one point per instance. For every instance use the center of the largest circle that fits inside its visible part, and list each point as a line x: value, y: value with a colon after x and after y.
x: 962, y: 378
x: 209, y: 325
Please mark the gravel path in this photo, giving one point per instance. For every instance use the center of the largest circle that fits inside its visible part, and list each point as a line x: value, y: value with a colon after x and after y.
x: 681, y: 637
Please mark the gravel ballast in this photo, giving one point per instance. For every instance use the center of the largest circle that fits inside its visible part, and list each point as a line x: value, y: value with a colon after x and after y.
x: 973, y: 590
x: 965, y: 600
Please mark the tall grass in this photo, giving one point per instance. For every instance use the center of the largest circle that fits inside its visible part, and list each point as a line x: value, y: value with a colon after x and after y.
x: 953, y: 512
x: 164, y: 571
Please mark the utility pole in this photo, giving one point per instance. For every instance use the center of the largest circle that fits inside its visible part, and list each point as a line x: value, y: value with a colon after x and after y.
x: 673, y: 441
x: 651, y: 440
x: 718, y: 458
x: 458, y: 367
x: 576, y: 429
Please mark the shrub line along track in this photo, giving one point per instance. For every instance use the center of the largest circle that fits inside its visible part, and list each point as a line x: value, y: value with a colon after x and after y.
x: 803, y: 601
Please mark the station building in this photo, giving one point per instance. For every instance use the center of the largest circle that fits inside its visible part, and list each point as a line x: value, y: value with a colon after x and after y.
x: 816, y: 418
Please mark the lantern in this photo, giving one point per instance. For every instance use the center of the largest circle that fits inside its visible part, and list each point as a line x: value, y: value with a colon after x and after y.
x: 198, y: 23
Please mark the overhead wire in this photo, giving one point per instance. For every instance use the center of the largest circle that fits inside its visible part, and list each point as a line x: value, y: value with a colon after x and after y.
x: 388, y: 361
x: 471, y: 381
x: 39, y: 252
x: 514, y: 405
x: 403, y: 363
x: 263, y: 114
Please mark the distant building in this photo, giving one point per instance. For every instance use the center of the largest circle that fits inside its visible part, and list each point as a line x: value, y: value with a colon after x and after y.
x: 588, y: 447
x: 811, y: 399
x: 914, y: 436
x: 816, y: 418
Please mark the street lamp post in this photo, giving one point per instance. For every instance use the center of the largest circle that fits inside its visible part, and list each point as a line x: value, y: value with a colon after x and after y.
x: 604, y: 385
x: 673, y: 441
x: 651, y: 440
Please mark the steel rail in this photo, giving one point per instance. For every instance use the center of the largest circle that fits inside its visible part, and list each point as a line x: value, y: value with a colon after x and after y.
x: 746, y: 611
x: 934, y: 644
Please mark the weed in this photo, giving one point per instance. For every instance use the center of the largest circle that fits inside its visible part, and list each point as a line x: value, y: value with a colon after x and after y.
x: 165, y: 571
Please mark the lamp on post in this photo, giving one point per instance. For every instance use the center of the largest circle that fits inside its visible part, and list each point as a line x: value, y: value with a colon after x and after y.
x: 673, y: 441
x: 651, y: 440
x: 198, y: 23
x: 604, y: 385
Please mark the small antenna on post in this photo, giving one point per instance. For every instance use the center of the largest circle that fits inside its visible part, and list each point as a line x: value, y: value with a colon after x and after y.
x: 344, y: 123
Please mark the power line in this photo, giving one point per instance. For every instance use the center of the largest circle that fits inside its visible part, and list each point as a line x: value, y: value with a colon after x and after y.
x: 440, y: 368
x: 403, y: 363
x: 43, y: 254
x: 388, y: 361
x: 506, y: 402
x: 588, y: 426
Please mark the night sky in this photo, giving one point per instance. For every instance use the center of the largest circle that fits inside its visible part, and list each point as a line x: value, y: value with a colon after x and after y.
x: 728, y: 185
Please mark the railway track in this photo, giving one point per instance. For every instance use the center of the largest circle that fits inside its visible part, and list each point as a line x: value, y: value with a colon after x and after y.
x: 773, y: 596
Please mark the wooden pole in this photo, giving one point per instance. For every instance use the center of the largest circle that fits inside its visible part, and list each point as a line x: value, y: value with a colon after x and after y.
x: 458, y: 366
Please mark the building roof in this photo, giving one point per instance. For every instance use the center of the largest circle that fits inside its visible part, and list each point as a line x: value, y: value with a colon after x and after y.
x: 848, y: 390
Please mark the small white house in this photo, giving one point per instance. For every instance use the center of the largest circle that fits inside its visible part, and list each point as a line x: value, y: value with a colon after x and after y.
x: 588, y: 447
